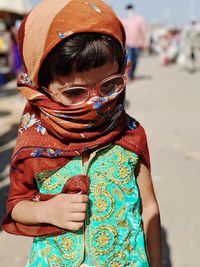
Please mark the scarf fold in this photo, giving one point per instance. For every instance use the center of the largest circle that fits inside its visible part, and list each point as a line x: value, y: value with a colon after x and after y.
x: 84, y: 122
x: 50, y: 134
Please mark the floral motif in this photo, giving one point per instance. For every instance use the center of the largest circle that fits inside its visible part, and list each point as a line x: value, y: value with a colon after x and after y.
x: 131, y: 123
x: 63, y: 35
x: 103, y: 239
x: 118, y: 259
x: 97, y: 101
x: 26, y: 79
x: 40, y: 129
x: 97, y: 105
x: 116, y: 263
x: 36, y: 153
x: 93, y: 6
x: 52, y: 152
x: 28, y: 120
x: 101, y: 205
x: 123, y: 172
x: 67, y: 243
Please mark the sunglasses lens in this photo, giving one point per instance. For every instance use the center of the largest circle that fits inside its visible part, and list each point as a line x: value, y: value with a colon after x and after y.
x: 74, y: 96
x: 112, y: 86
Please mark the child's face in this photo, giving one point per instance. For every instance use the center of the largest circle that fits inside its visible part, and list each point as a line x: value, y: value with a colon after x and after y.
x: 89, y: 79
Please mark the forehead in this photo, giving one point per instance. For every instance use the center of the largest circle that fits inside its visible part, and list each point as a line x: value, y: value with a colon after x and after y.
x: 90, y: 77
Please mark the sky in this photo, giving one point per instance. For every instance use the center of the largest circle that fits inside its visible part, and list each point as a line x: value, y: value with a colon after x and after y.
x: 173, y: 12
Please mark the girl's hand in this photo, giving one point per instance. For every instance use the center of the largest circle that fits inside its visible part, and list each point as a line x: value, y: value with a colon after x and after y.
x: 66, y: 211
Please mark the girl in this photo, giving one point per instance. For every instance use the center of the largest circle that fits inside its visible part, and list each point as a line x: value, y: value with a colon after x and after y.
x: 80, y: 179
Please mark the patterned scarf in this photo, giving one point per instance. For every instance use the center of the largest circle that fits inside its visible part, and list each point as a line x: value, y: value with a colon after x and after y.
x: 51, y: 134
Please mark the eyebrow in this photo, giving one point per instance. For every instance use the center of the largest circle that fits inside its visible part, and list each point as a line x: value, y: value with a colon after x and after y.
x: 86, y: 84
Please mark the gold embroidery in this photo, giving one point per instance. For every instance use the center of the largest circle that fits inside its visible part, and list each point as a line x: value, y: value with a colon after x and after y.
x: 101, y: 205
x: 118, y: 180
x: 121, y: 211
x: 48, y: 185
x: 45, y: 252
x: 134, y: 212
x: 51, y: 180
x: 104, y: 203
x: 98, y: 188
x: 133, y: 264
x: 141, y: 254
x: 116, y: 263
x: 67, y: 243
x: 44, y: 175
x: 118, y: 259
x: 121, y: 158
x: 123, y: 224
x: 104, y: 239
x: 118, y: 194
x: 128, y: 191
x: 66, y: 246
x: 112, y: 183
x: 55, y: 258
x: 123, y: 172
x: 128, y: 236
x: 133, y: 159
x: 128, y: 247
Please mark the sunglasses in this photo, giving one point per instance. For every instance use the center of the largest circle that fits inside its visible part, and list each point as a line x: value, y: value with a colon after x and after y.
x: 76, y: 95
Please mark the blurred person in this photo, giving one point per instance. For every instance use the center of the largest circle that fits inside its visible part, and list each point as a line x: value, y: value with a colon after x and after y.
x: 135, y: 37
x: 163, y: 45
x: 13, y: 56
x: 151, y: 45
x: 3, y: 45
x: 170, y: 47
x: 80, y: 172
x: 191, y: 44
x: 3, y: 51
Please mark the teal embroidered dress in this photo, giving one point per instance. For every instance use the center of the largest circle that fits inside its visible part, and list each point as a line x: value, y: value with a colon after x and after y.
x: 113, y: 235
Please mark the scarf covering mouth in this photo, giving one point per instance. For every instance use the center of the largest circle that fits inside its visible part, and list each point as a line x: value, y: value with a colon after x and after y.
x: 50, y: 134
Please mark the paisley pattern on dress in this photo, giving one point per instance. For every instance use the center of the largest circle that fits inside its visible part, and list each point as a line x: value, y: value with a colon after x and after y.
x: 112, y: 236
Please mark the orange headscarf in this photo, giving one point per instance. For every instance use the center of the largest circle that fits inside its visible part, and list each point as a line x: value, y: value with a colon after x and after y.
x: 47, y: 140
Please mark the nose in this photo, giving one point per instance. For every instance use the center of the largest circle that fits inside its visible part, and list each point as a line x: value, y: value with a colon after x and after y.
x: 93, y: 91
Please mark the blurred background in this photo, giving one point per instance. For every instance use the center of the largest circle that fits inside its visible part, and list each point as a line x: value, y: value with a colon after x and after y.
x: 163, y: 93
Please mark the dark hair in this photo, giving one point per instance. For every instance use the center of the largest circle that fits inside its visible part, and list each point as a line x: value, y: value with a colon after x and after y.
x: 80, y: 52
x: 130, y: 6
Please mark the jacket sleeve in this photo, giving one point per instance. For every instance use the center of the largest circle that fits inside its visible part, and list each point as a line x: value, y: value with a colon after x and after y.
x: 24, y: 187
